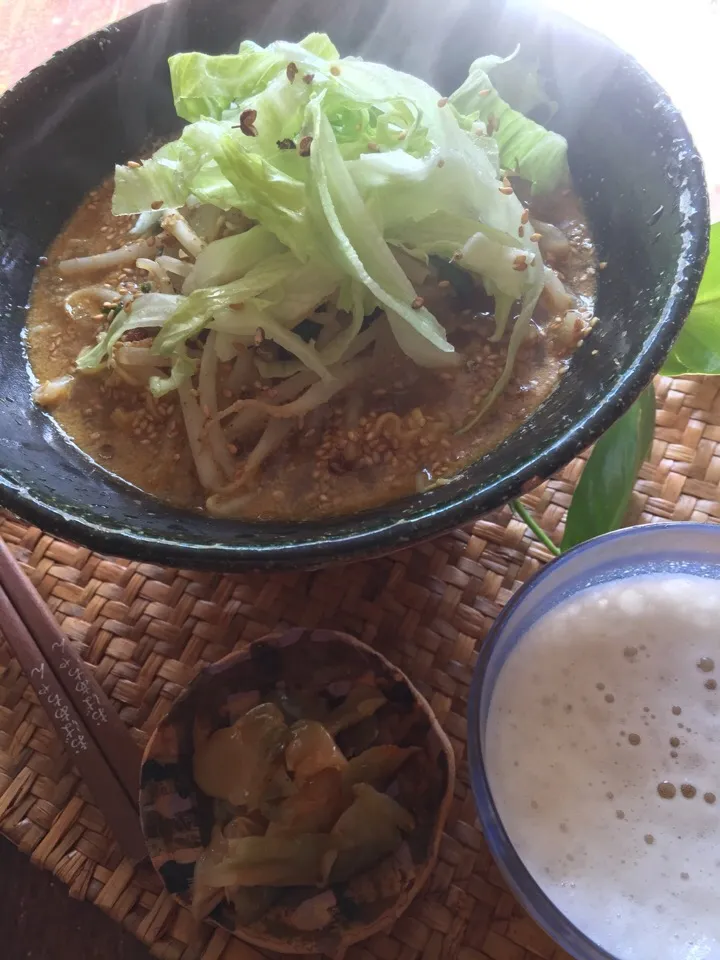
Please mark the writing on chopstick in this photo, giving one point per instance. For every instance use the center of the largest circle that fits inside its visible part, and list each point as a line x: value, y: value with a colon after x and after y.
x: 61, y: 711
x: 94, y: 709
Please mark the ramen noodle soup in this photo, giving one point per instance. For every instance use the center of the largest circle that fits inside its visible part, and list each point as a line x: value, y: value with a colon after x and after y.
x: 602, y: 753
x: 308, y: 306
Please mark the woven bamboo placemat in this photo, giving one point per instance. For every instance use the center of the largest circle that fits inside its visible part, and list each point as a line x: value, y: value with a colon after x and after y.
x: 147, y: 630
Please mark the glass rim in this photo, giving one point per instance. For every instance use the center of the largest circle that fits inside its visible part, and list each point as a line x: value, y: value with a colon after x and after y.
x: 517, y: 876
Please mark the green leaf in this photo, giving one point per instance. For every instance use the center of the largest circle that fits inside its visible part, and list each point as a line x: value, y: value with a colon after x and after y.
x: 520, y: 510
x: 602, y: 496
x: 697, y: 349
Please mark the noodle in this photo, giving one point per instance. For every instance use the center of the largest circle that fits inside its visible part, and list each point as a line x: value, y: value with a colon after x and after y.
x: 207, y: 389
x: 313, y: 397
x: 207, y: 469
x: 158, y: 273
x: 110, y: 260
x: 178, y: 226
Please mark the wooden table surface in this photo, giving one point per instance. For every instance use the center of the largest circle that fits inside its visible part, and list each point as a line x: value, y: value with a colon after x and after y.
x: 38, y: 921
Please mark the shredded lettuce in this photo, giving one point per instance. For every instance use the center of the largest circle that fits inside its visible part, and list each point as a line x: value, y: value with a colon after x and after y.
x: 230, y: 258
x: 335, y: 350
x: 347, y: 168
x: 517, y: 79
x: 197, y: 310
x: 147, y: 312
x: 360, y: 249
x: 320, y: 45
x: 526, y: 148
x: 204, y: 86
x: 174, y: 172
x: 183, y: 367
x: 249, y: 320
x: 275, y: 199
x: 163, y: 181
x: 312, y: 285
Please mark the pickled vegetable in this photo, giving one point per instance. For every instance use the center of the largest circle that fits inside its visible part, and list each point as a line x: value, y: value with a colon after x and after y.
x: 298, y: 802
x: 311, y: 749
x: 304, y: 860
x: 370, y: 829
x: 240, y: 827
x: 280, y: 786
x: 238, y: 763
x: 315, y: 914
x: 361, y: 736
x: 386, y: 880
x: 205, y: 895
x: 297, y: 705
x: 251, y: 902
x: 362, y: 702
x: 313, y: 809
x: 376, y: 766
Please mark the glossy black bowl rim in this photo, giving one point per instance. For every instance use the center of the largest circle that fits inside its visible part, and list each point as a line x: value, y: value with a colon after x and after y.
x: 399, y: 532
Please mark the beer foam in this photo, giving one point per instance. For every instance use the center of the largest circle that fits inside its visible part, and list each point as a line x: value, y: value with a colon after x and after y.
x: 602, y: 751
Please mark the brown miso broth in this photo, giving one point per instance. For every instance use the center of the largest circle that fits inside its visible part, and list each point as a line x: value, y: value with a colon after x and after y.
x: 392, y: 433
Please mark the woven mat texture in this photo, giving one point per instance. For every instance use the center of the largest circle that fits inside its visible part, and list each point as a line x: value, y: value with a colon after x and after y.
x: 147, y: 630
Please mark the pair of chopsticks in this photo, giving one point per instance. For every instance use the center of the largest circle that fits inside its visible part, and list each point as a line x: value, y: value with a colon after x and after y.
x: 92, y: 732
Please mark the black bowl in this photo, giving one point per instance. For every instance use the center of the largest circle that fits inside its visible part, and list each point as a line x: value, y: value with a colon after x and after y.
x: 65, y: 125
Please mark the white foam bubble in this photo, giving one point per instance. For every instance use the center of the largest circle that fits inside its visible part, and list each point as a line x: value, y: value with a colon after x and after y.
x: 632, y: 602
x: 551, y: 769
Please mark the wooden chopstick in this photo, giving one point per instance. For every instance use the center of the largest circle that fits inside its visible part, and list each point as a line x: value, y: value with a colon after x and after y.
x: 47, y: 659
x: 81, y: 687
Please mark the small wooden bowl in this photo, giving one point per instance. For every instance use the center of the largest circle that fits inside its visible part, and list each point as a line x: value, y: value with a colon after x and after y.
x: 177, y: 818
